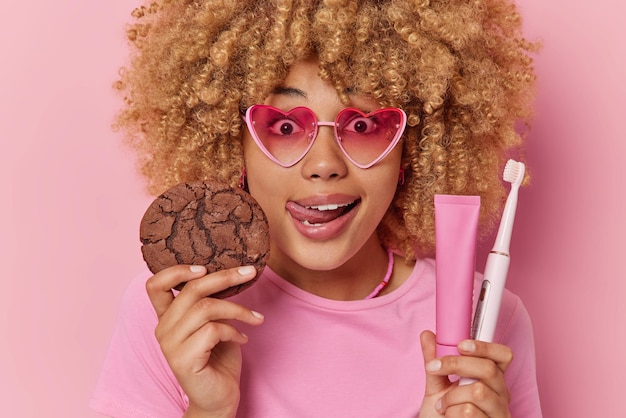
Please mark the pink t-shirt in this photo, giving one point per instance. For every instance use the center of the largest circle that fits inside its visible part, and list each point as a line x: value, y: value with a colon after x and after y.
x: 312, y: 357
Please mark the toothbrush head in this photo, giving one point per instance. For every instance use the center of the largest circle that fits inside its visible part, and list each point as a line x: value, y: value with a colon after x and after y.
x: 514, y: 172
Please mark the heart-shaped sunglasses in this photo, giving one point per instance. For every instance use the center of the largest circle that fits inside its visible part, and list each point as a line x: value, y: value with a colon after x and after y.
x: 286, y: 137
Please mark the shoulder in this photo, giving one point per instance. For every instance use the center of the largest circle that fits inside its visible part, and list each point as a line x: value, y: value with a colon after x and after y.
x: 135, y: 306
x: 135, y: 379
x: 514, y: 320
x: 515, y: 330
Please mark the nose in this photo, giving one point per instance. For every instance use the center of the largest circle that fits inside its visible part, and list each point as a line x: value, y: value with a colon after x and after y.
x: 325, y: 160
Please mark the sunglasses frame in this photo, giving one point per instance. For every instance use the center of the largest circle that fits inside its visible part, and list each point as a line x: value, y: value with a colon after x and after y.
x: 250, y: 124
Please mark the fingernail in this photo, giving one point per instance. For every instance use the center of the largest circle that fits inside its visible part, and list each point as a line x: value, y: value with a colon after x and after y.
x: 196, y: 269
x: 246, y: 270
x: 433, y: 365
x: 438, y: 405
x: 258, y: 315
x: 467, y: 346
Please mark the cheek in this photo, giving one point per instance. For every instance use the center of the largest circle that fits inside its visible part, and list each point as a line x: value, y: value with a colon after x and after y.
x: 385, y: 180
x: 385, y: 193
x: 386, y: 175
x: 261, y: 174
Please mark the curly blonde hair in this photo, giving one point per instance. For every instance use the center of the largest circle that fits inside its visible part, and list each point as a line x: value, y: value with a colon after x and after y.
x: 461, y: 70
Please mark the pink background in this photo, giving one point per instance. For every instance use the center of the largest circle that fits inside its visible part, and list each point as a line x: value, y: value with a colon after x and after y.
x: 72, y: 203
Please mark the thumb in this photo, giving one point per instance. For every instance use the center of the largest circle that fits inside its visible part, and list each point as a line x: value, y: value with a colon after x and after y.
x: 434, y: 384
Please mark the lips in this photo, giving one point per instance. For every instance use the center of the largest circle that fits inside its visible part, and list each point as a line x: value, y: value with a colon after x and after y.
x: 316, y: 215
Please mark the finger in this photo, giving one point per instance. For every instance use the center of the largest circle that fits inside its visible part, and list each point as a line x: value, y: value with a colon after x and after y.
x: 480, y: 369
x: 463, y: 410
x: 207, y: 310
x: 159, y: 287
x: 199, y: 347
x: 497, y: 359
x: 200, y: 288
x: 476, y: 400
x: 213, y: 333
x: 500, y: 354
x: 435, y: 383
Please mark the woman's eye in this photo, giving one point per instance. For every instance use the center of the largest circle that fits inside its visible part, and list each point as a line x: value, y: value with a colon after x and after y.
x: 361, y: 125
x: 284, y: 127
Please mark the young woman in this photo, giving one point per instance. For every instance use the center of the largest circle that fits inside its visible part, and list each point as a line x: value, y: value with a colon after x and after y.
x: 386, y: 103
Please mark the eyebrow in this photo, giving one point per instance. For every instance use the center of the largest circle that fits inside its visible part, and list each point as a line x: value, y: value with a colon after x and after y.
x: 289, y: 91
x: 295, y: 92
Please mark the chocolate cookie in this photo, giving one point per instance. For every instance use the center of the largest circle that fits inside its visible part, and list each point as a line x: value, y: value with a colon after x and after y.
x: 205, y: 223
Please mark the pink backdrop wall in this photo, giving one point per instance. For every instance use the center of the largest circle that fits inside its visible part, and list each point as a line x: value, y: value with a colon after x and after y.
x: 71, y: 204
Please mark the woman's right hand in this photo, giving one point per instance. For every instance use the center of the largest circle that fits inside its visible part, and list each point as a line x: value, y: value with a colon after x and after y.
x: 194, y: 331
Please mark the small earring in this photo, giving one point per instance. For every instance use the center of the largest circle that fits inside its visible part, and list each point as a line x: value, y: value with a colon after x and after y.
x: 242, y: 179
x: 401, y: 176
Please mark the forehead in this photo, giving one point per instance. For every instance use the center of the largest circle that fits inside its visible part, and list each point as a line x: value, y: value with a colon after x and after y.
x: 304, y: 86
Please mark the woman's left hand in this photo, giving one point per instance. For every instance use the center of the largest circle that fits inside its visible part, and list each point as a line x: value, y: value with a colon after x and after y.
x: 484, y: 362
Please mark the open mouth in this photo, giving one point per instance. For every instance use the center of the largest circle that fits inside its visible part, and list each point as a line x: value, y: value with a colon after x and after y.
x: 319, y: 215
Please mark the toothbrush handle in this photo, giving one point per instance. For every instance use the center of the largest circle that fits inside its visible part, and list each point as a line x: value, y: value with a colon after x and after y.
x: 489, y: 300
x: 505, y: 229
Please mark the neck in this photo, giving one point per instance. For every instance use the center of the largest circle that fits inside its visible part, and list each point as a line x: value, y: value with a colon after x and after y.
x: 385, y: 281
x: 355, y: 279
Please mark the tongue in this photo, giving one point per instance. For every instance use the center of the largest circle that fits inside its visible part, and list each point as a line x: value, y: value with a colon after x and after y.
x: 313, y: 216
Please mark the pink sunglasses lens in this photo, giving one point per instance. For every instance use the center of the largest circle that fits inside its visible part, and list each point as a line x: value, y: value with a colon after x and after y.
x: 365, y: 138
x: 285, y: 136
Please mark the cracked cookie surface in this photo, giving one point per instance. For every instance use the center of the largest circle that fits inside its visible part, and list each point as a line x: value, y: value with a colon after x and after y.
x: 205, y: 223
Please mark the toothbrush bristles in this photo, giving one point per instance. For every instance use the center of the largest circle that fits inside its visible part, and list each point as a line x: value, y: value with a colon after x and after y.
x: 514, y: 172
